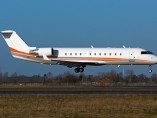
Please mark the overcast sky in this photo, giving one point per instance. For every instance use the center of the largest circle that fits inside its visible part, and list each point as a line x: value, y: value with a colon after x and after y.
x: 71, y: 23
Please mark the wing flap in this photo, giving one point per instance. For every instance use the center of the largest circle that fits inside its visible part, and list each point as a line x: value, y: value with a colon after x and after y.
x: 77, y: 63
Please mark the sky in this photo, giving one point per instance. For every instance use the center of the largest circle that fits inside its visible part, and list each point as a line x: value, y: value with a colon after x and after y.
x: 77, y: 23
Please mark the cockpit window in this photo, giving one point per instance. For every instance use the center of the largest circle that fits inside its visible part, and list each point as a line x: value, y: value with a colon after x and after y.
x: 146, y: 52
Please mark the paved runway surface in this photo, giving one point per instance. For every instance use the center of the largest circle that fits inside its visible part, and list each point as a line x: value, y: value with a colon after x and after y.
x: 79, y: 92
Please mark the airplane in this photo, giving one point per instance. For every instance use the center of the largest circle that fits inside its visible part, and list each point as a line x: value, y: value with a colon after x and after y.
x: 78, y: 57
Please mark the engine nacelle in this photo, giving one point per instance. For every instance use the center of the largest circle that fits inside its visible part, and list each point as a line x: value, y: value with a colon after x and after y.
x: 42, y: 51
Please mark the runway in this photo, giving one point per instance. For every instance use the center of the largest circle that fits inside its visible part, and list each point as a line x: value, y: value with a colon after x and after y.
x: 79, y: 92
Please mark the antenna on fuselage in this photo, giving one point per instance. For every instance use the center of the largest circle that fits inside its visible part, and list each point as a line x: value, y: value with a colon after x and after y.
x: 91, y: 46
x: 124, y: 46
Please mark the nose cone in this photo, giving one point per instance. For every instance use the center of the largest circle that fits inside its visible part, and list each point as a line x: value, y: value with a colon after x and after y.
x: 154, y: 59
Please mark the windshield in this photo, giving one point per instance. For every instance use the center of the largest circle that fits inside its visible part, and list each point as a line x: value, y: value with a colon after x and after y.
x: 146, y: 52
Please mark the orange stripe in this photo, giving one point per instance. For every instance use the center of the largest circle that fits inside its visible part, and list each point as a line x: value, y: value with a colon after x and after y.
x: 20, y: 52
x: 95, y: 58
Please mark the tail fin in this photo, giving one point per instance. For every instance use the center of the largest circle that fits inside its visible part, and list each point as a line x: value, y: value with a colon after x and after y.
x: 13, y: 40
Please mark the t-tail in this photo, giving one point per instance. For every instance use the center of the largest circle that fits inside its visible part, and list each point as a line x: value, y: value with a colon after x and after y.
x: 14, y: 41
x: 19, y: 49
x: 16, y: 44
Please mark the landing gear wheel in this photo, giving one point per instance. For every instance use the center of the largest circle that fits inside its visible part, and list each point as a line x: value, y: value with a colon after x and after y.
x: 81, y: 69
x: 77, y: 70
x: 150, y: 71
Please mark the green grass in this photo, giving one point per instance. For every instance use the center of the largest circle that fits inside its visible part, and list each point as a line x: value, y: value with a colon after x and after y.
x: 78, y: 106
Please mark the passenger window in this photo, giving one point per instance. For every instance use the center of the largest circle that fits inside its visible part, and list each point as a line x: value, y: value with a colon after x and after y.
x: 70, y: 53
x: 65, y: 53
x: 94, y: 53
x: 120, y: 54
x: 80, y: 53
x: 110, y: 54
x: 105, y: 54
x: 115, y: 54
x: 90, y: 54
x: 100, y: 54
x: 75, y: 53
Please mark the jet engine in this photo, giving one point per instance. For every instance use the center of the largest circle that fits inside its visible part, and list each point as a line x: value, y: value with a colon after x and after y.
x: 42, y: 51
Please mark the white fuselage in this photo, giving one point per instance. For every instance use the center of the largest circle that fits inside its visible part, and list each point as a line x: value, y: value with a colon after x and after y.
x: 95, y: 56
x: 78, y: 57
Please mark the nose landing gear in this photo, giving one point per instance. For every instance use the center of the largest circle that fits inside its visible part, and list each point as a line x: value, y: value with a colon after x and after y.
x: 150, y: 70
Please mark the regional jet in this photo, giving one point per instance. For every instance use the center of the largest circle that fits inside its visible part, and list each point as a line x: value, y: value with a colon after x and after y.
x: 78, y: 57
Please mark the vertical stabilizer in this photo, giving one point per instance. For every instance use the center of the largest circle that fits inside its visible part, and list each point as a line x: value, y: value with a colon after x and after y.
x: 13, y: 40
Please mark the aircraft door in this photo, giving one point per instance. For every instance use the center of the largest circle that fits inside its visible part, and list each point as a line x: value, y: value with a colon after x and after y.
x: 132, y: 57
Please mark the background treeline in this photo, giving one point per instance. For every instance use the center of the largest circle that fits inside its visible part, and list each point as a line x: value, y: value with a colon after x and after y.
x: 105, y: 77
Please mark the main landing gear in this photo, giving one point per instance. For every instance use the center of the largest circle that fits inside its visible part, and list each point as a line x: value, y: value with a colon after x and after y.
x: 77, y: 70
x: 150, y: 70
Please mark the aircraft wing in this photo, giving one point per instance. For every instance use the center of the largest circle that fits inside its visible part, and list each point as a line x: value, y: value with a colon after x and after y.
x: 77, y: 63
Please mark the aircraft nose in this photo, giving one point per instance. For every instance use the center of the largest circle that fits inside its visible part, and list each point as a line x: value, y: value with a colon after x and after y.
x: 155, y: 59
